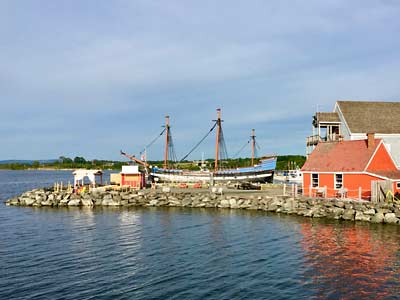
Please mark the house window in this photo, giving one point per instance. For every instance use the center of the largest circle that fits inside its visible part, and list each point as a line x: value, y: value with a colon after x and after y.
x: 398, y: 185
x: 338, y: 181
x: 314, y: 180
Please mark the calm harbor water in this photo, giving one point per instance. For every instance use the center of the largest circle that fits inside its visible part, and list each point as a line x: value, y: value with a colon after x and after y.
x: 154, y: 253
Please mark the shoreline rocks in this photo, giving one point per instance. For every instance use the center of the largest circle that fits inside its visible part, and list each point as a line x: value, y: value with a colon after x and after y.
x: 303, y: 206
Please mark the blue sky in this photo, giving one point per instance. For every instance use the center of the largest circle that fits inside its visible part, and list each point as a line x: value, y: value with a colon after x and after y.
x: 89, y: 78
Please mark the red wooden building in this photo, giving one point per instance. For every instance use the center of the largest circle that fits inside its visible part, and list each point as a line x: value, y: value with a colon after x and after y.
x: 131, y: 176
x: 348, y: 168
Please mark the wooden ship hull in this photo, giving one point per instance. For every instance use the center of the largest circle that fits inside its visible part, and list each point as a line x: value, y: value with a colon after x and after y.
x: 262, y: 173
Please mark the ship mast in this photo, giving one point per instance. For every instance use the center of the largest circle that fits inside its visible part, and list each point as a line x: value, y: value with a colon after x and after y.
x: 217, y: 138
x: 253, y: 145
x: 166, y: 142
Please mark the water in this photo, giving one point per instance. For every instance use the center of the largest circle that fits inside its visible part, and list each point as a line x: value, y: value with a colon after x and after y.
x: 186, y: 253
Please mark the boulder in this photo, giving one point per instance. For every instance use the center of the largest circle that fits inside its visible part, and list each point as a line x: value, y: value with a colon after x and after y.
x: 339, y: 204
x: 13, y: 201
x: 378, y: 218
x: 348, y: 205
x: 47, y: 203
x: 29, y: 201
x: 308, y: 213
x: 272, y: 206
x: 186, y: 202
x: 74, y: 202
x: 224, y: 203
x: 369, y: 212
x: 319, y: 212
x: 109, y: 202
x: 63, y: 202
x: 87, y: 202
x: 233, y: 203
x: 153, y: 203
x: 335, y: 212
x: 348, y: 214
x: 360, y: 216
x: 383, y: 210
x: 391, y: 218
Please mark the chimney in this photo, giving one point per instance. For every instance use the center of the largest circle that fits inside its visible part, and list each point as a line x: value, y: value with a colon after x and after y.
x: 370, y: 140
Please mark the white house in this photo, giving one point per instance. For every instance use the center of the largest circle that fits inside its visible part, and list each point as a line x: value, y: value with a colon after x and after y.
x: 353, y: 120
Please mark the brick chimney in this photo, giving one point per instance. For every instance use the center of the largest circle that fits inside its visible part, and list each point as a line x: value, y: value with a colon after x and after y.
x: 371, y: 140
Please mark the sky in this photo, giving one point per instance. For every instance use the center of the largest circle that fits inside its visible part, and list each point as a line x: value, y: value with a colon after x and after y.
x: 88, y: 78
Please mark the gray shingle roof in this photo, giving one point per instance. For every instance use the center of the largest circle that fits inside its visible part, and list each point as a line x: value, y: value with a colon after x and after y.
x: 327, y: 117
x: 368, y: 116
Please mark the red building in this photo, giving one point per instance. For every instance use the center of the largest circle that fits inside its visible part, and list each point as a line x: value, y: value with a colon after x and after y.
x: 131, y: 176
x: 350, y: 169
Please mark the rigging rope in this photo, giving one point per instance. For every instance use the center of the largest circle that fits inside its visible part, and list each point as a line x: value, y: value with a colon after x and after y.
x: 241, y: 149
x: 171, y: 148
x: 198, y: 144
x: 223, y: 153
x: 153, y: 141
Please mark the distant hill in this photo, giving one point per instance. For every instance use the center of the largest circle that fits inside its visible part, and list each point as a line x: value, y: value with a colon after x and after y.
x: 27, y: 161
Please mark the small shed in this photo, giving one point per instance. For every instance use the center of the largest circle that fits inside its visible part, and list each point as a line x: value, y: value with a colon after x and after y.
x: 350, y: 169
x: 131, y: 176
x: 80, y: 174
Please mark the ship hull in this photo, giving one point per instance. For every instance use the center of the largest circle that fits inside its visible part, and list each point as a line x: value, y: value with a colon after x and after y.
x: 262, y: 173
x: 207, y: 177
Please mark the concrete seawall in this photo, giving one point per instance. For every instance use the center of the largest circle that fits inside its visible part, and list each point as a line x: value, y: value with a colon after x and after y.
x: 266, y: 200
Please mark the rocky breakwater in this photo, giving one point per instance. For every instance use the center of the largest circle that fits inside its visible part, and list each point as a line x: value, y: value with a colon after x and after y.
x: 303, y: 206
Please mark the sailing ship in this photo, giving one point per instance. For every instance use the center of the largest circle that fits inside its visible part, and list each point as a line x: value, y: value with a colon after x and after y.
x: 262, y: 172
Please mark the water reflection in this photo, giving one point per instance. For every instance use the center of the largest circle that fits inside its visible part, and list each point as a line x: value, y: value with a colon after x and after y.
x: 350, y: 261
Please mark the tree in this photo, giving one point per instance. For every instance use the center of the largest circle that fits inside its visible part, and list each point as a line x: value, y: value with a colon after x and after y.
x: 35, y: 164
x: 79, y: 160
x: 65, y: 160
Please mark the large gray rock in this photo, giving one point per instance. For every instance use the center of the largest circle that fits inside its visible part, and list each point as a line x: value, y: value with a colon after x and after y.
x: 13, y: 201
x: 74, y: 202
x: 110, y: 202
x: 378, y: 218
x: 153, y: 202
x: 273, y: 205
x: 319, y: 212
x: 233, y: 203
x: 335, y: 212
x: 369, y: 212
x: 383, y: 210
x: 47, y: 203
x: 348, y: 214
x: 308, y: 213
x: 87, y: 202
x: 360, y: 216
x: 391, y: 218
x: 186, y: 202
x: 339, y: 204
x: 64, y: 201
x: 29, y: 201
x: 224, y: 203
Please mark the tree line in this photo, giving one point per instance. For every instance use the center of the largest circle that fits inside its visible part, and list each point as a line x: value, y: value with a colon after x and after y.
x: 284, y: 162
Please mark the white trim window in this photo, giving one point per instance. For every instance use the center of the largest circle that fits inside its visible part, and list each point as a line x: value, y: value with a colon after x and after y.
x: 315, y: 180
x: 338, y: 181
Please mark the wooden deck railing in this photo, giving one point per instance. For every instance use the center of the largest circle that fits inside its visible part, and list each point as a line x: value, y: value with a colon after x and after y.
x: 315, y: 139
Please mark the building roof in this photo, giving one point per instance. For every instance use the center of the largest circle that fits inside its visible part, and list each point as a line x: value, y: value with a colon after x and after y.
x: 327, y: 117
x: 370, y: 116
x: 343, y: 156
x: 388, y: 174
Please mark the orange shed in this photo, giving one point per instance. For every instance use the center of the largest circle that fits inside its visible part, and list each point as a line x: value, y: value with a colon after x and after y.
x: 130, y: 176
x: 348, y: 168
